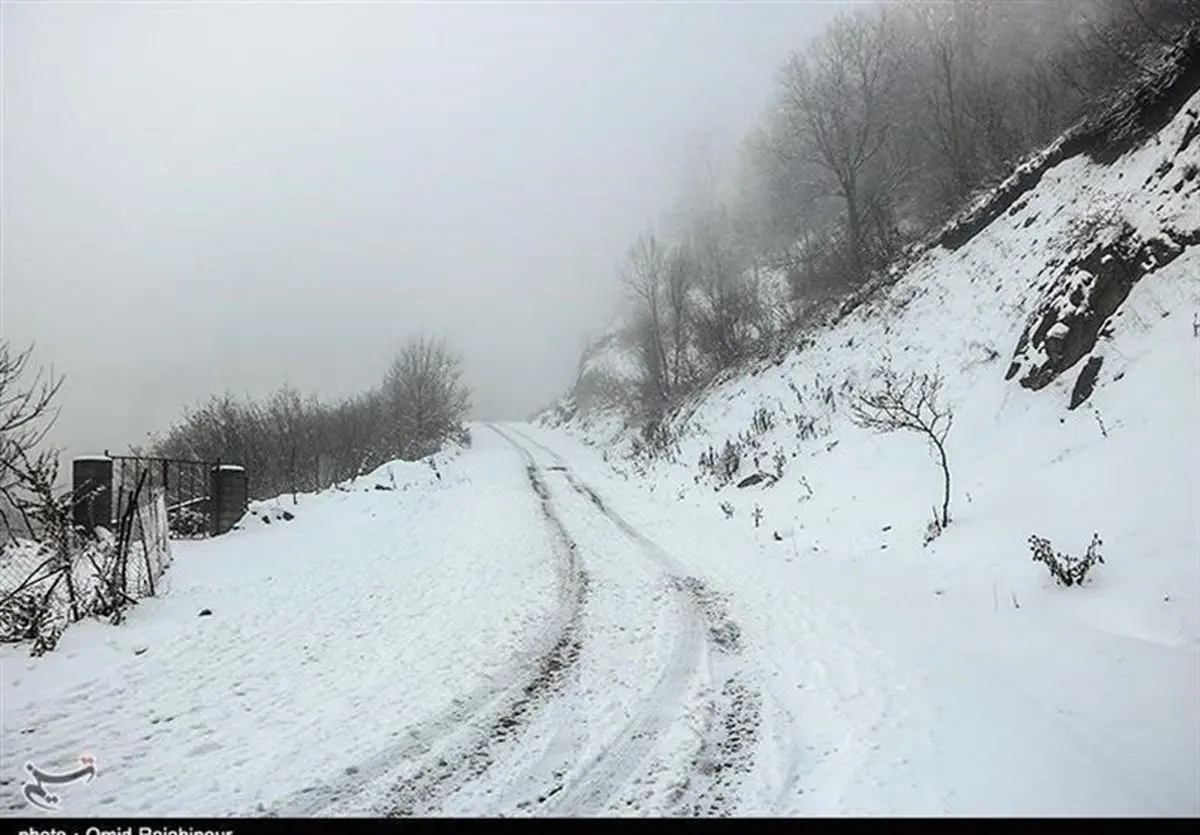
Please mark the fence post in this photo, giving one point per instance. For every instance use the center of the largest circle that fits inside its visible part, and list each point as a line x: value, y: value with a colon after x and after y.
x: 229, y: 497
x: 214, y: 500
x: 92, y: 488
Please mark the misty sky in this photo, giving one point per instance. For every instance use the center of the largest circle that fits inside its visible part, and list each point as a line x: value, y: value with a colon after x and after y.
x: 200, y: 197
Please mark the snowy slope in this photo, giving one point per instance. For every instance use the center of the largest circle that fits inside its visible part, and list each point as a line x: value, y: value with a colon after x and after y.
x: 1098, y: 684
x: 1122, y: 463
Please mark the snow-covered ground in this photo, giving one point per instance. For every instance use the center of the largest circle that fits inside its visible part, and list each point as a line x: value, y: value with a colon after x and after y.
x: 329, y: 636
x: 531, y: 633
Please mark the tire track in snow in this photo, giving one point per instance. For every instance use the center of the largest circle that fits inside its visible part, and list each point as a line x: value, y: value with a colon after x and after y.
x: 588, y: 791
x: 423, y: 790
x: 442, y: 753
x: 591, y: 788
x: 725, y: 754
x: 733, y: 716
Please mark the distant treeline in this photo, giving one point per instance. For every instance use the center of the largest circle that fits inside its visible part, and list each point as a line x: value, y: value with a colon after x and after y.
x: 292, y: 443
x: 880, y: 129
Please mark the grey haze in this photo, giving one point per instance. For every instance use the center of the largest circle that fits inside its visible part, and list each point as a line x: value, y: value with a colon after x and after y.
x: 201, y: 197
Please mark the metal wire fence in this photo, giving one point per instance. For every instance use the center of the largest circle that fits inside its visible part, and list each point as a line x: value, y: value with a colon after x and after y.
x: 66, y: 575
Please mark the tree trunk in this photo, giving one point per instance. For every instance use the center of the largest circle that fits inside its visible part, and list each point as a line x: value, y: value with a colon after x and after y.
x: 854, y: 223
x: 946, y: 483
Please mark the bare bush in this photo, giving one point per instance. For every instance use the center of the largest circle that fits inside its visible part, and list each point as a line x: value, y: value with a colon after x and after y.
x: 722, y: 466
x: 1064, y: 568
x: 933, y: 529
x: 909, y: 404
x: 290, y: 442
x: 425, y: 399
x: 27, y: 413
x: 45, y: 582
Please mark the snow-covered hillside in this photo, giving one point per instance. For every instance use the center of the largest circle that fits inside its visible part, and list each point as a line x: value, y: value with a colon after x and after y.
x: 1124, y: 462
x: 1031, y: 453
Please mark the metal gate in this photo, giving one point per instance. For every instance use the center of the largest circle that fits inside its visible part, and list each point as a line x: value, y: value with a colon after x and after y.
x: 187, y: 484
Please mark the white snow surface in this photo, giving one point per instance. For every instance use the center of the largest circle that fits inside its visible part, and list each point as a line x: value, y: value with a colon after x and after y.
x: 538, y: 625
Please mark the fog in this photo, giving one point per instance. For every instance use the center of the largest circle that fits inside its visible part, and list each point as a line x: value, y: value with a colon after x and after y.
x: 209, y: 197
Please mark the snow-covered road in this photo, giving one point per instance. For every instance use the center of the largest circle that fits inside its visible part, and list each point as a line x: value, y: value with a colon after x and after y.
x: 518, y: 631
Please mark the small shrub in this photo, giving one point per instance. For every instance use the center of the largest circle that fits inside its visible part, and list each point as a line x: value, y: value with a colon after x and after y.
x: 806, y: 426
x: 188, y: 522
x: 796, y: 391
x: 727, y: 509
x: 656, y: 442
x: 462, y: 437
x: 1065, y: 569
x: 933, y: 529
x: 1100, y: 421
x: 19, y: 618
x: 722, y: 466
x: 780, y: 461
x: 763, y: 421
x: 909, y: 403
x: 808, y: 491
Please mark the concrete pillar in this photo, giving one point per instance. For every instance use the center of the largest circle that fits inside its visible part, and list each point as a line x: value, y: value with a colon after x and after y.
x: 228, y: 497
x: 91, y: 483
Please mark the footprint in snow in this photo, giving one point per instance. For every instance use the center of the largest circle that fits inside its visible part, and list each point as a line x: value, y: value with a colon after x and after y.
x: 205, y: 748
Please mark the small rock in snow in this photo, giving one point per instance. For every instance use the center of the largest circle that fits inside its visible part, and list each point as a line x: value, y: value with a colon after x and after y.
x: 205, y: 613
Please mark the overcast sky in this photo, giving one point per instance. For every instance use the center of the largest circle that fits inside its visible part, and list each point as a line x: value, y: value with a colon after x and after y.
x: 200, y: 197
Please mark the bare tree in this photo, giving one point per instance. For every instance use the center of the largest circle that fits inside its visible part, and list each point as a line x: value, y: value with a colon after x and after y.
x: 942, y: 69
x: 425, y: 399
x: 644, y: 277
x: 835, y: 95
x: 680, y: 278
x: 354, y: 435
x: 27, y: 413
x: 291, y: 423
x: 728, y: 311
x: 909, y: 403
x: 282, y: 440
